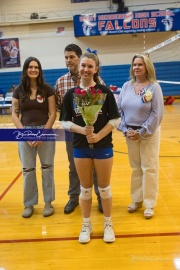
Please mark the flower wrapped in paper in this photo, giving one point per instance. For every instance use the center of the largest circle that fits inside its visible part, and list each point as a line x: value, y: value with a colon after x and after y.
x: 89, y: 102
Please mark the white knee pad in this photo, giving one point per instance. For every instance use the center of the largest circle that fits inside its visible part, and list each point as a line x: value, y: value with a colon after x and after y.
x: 105, y: 193
x: 86, y: 193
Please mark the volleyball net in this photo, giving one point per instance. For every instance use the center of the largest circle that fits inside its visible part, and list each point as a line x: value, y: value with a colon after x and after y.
x: 167, y: 51
x: 166, y: 58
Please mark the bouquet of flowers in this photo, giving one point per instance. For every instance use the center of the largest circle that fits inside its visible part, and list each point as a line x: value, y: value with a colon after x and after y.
x: 89, y: 102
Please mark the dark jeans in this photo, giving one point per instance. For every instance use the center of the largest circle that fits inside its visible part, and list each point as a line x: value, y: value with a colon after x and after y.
x: 74, y: 183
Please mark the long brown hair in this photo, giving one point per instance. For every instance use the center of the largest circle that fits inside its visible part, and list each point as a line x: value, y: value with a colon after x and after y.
x: 24, y: 86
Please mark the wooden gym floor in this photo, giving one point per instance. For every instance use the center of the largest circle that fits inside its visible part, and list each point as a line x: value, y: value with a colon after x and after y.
x: 40, y: 243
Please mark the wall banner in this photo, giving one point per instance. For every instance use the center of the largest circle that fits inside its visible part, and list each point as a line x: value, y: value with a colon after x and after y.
x: 126, y: 23
x: 9, y: 53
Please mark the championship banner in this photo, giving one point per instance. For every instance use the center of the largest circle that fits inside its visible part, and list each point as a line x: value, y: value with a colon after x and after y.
x: 126, y: 23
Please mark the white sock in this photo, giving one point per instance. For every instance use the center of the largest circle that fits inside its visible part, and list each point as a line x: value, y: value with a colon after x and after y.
x: 87, y: 220
x: 107, y: 219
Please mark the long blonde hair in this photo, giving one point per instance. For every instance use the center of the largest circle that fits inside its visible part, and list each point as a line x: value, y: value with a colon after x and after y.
x: 150, y: 70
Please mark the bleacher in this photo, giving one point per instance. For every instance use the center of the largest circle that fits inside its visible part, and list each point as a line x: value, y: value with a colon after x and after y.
x: 6, y: 104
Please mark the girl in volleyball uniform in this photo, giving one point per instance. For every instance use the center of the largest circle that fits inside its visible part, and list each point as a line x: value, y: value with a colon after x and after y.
x: 108, y: 111
x: 100, y: 135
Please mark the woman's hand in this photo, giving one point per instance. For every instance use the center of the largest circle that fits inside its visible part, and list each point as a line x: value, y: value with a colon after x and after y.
x: 34, y: 144
x: 132, y: 134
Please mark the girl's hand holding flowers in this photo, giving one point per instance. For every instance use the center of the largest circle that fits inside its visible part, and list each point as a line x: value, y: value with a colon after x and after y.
x: 89, y: 102
x: 89, y: 130
x: 92, y: 138
x: 90, y: 135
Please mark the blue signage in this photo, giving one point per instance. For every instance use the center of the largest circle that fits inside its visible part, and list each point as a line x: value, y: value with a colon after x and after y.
x: 126, y: 23
x: 32, y: 135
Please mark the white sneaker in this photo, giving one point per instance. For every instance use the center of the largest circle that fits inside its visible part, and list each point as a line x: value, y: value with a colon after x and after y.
x: 109, y: 236
x: 85, y: 233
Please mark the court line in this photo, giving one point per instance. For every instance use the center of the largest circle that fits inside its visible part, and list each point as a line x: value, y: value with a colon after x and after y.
x: 125, y: 153
x: 8, y: 188
x: 14, y: 241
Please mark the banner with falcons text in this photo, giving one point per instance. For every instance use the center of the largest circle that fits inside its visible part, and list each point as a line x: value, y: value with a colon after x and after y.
x: 126, y: 23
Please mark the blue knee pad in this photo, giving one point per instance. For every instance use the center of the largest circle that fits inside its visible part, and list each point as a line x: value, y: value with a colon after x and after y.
x: 105, y: 193
x: 86, y: 193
